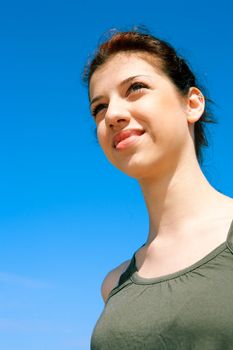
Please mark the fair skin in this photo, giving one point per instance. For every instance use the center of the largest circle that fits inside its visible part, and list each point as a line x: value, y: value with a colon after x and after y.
x: 187, y: 217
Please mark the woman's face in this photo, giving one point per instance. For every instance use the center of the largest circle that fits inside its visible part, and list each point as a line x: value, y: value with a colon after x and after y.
x: 141, y: 119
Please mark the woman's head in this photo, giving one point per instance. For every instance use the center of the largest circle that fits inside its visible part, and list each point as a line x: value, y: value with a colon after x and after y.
x: 160, y: 55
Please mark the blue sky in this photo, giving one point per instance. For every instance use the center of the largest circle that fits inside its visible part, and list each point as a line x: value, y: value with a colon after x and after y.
x: 66, y: 215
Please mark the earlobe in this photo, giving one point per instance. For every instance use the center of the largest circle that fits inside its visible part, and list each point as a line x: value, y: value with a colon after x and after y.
x: 196, y: 105
x: 193, y: 118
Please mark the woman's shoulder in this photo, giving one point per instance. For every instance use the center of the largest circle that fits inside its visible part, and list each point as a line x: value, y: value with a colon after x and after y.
x: 112, y: 278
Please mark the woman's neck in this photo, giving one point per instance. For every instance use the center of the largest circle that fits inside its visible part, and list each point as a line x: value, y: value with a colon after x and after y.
x: 181, y: 199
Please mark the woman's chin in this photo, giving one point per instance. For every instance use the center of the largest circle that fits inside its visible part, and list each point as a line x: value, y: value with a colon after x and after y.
x: 136, y: 169
x: 142, y: 167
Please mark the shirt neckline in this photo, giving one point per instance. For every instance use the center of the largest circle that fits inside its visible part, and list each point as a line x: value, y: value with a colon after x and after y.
x: 137, y: 279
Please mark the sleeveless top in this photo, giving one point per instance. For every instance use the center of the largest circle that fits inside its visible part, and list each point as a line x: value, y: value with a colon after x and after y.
x: 191, y: 309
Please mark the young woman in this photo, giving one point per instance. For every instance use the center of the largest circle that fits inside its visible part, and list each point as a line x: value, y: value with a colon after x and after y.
x: 177, y: 290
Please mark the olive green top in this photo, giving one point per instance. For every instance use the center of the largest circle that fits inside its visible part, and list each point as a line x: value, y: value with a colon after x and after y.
x: 186, y: 310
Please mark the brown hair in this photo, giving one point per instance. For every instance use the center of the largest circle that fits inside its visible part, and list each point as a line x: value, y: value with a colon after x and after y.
x: 173, y: 65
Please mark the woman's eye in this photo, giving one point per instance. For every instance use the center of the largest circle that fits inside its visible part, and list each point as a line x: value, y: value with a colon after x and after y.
x: 136, y: 87
x: 98, y: 108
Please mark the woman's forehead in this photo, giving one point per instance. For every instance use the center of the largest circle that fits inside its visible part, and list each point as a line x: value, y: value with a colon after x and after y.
x: 120, y: 67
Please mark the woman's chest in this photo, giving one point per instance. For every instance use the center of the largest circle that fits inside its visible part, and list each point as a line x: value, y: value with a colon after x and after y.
x: 164, y: 259
x: 192, y: 311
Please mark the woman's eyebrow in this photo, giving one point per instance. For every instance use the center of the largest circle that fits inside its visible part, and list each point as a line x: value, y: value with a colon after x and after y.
x: 96, y: 99
x: 131, y: 78
x: 123, y: 82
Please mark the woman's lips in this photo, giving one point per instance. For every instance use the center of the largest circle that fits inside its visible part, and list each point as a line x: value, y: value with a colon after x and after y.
x: 125, y: 138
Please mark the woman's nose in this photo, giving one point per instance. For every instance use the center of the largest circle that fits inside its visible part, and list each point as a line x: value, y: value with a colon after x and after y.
x: 116, y: 114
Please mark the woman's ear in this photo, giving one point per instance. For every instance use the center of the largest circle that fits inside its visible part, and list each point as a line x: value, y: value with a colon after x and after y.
x: 195, y: 105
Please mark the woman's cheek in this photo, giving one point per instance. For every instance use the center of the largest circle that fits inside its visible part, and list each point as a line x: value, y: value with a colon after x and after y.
x: 102, y: 138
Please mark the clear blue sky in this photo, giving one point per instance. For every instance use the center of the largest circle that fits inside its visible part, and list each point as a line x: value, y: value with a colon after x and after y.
x: 66, y: 215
